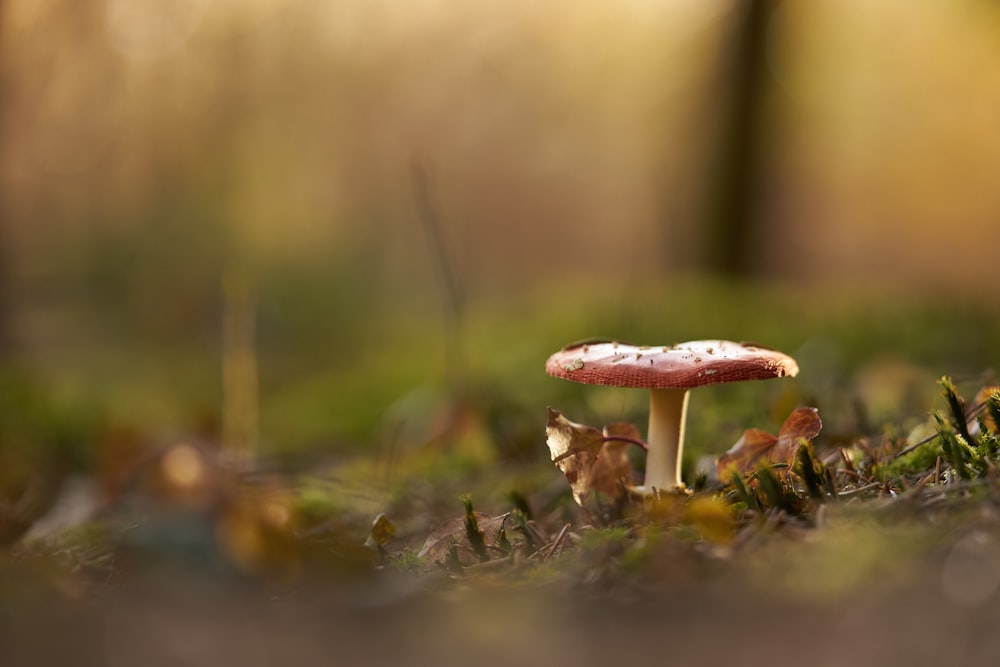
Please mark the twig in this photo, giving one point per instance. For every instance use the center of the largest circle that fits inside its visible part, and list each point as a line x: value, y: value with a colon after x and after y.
x: 910, y: 448
x: 970, y: 413
x: 914, y: 491
x: 848, y: 463
x: 931, y: 477
x: 556, y: 543
x: 851, y: 473
x: 530, y: 532
x: 860, y: 489
x: 960, y: 485
x: 496, y: 563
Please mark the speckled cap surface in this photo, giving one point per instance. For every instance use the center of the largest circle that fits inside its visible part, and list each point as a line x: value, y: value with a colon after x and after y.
x: 680, y: 366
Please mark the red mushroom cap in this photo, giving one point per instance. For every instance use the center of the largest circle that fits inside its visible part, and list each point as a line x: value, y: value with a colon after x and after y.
x: 681, y: 366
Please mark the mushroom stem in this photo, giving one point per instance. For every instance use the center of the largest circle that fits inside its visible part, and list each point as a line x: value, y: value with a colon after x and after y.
x: 667, y: 414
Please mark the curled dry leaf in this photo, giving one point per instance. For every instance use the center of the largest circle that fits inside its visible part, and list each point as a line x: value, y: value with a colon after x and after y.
x: 591, y: 460
x: 756, y: 447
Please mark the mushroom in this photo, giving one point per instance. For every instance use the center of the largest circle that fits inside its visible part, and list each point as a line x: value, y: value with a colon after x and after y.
x: 669, y: 373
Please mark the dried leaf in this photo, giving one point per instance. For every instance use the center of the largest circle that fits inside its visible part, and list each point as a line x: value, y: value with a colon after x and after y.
x: 574, y: 448
x: 454, y: 532
x: 756, y: 447
x: 802, y: 424
x: 566, y: 438
x: 742, y: 457
x: 612, y: 464
x: 382, y: 531
x: 587, y: 457
x: 981, y: 401
x: 712, y: 519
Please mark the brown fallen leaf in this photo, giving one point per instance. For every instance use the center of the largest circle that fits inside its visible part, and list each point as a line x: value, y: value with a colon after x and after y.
x: 982, y: 411
x: 591, y: 460
x: 612, y: 465
x: 453, y: 532
x: 756, y: 447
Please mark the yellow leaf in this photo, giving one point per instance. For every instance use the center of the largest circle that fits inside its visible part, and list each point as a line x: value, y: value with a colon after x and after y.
x: 712, y: 519
x: 382, y: 531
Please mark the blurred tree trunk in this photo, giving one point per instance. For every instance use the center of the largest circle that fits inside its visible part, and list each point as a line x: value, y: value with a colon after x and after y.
x: 6, y: 326
x: 732, y: 214
x: 6, y: 308
x: 240, y: 401
x: 240, y: 373
x: 450, y: 283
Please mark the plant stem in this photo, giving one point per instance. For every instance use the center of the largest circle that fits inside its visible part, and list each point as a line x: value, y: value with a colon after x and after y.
x: 631, y: 441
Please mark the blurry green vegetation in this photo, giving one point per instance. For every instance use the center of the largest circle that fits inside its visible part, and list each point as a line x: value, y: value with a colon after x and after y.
x: 571, y: 188
x: 347, y: 366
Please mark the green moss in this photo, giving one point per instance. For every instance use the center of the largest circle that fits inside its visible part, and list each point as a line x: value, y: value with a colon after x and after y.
x: 921, y: 459
x: 406, y: 561
x: 317, y: 501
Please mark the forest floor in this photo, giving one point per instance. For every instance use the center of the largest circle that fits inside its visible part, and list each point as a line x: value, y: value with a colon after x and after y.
x: 880, y: 558
x: 872, y: 539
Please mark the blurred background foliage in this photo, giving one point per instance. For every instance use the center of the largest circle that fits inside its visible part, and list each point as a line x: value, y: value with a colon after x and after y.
x: 419, y: 200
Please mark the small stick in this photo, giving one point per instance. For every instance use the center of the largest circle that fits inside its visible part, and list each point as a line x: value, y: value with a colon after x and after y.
x: 851, y: 473
x: 845, y: 457
x: 490, y: 564
x: 860, y: 489
x: 915, y: 490
x: 906, y: 450
x: 555, y: 544
x: 958, y: 485
x: 976, y: 409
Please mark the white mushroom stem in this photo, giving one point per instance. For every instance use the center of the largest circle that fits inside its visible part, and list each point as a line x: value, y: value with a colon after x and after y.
x: 665, y: 439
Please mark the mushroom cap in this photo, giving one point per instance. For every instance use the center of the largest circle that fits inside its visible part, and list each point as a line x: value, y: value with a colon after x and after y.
x: 680, y: 366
